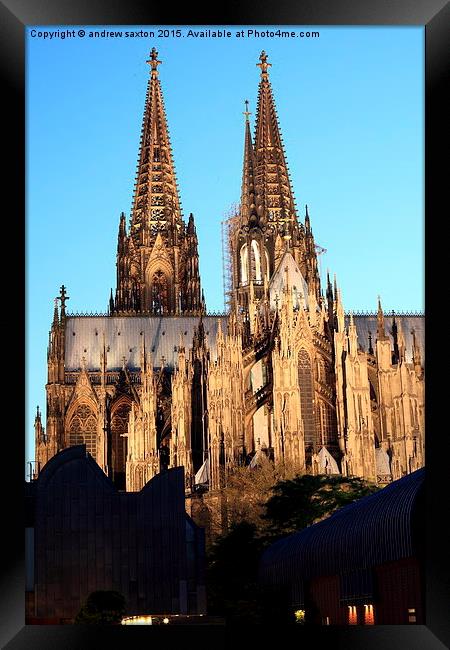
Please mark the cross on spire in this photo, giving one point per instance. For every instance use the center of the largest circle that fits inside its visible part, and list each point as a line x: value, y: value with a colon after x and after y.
x: 153, y: 61
x: 63, y: 296
x: 246, y: 112
x: 263, y: 65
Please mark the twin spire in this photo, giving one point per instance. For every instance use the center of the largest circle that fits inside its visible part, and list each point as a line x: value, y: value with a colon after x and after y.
x: 157, y: 260
x: 266, y: 195
x: 156, y: 204
x: 266, y: 191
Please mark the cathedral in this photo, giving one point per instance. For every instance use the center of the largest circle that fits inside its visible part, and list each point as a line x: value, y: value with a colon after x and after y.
x: 285, y: 373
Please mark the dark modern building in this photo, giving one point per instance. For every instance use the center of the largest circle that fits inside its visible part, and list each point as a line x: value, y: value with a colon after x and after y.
x: 84, y: 535
x: 363, y: 565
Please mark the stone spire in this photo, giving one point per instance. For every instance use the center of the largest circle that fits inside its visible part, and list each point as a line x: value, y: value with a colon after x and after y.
x: 352, y: 337
x: 396, y: 353
x: 381, y: 334
x: 62, y: 298
x: 272, y: 178
x: 192, y: 296
x: 38, y: 428
x: 55, y: 321
x: 157, y: 260
x: 249, y: 213
x: 156, y: 203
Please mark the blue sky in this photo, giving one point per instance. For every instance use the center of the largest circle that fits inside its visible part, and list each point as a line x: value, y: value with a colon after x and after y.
x: 351, y: 111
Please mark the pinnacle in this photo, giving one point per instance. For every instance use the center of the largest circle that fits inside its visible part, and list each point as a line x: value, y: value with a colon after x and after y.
x: 155, y: 156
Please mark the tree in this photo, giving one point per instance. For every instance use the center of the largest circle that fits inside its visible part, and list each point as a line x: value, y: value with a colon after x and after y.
x: 262, y: 509
x: 232, y: 579
x: 307, y: 499
x: 247, y: 490
x: 102, y: 607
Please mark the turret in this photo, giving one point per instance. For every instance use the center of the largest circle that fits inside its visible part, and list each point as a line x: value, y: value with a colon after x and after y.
x: 352, y: 338
x: 383, y: 344
x: 416, y: 355
x: 381, y: 334
x: 191, y: 296
x: 39, y: 431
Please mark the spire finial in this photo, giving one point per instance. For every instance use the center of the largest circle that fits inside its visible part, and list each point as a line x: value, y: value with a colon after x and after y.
x: 153, y: 62
x: 55, y: 313
x: 246, y: 112
x: 380, y: 321
x: 63, y: 297
x: 263, y: 65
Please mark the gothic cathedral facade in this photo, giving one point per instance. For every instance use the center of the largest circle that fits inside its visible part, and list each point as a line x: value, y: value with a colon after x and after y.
x: 157, y: 382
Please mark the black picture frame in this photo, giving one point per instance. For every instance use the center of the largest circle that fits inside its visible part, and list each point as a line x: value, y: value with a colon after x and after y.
x: 15, y: 15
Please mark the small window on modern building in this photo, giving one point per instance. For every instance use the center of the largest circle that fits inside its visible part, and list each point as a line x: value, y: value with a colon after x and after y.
x: 300, y: 616
x: 352, y: 615
x: 368, y: 615
x: 412, y: 615
x: 326, y: 620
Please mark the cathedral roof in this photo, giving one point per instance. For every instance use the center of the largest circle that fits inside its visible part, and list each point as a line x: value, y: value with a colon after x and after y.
x: 367, y: 323
x: 202, y: 475
x: 162, y: 334
x: 124, y: 335
x: 327, y: 462
x: 382, y: 461
x: 295, y: 279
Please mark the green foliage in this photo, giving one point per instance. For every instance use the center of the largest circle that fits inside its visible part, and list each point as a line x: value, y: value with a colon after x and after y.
x: 102, y: 607
x: 263, y: 508
x: 247, y: 491
x: 307, y: 499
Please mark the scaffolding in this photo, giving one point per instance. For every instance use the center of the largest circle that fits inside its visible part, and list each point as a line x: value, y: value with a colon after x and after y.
x: 319, y: 251
x: 227, y: 227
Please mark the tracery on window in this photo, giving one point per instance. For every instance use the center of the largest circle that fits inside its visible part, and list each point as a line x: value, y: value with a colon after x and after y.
x: 119, y: 426
x: 244, y: 264
x: 326, y: 423
x: 83, y: 429
x: 255, y: 261
x: 266, y: 255
x: 159, y: 293
x: 306, y: 396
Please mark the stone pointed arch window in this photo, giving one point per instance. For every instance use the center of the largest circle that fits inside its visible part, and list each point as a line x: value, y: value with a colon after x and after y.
x: 306, y: 397
x: 83, y: 429
x: 255, y: 261
x: 266, y: 255
x: 119, y: 426
x: 244, y: 264
x: 159, y: 293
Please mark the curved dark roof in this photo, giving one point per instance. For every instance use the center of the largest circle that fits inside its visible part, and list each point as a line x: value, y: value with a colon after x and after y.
x: 375, y: 529
x: 79, y: 452
x: 66, y: 456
